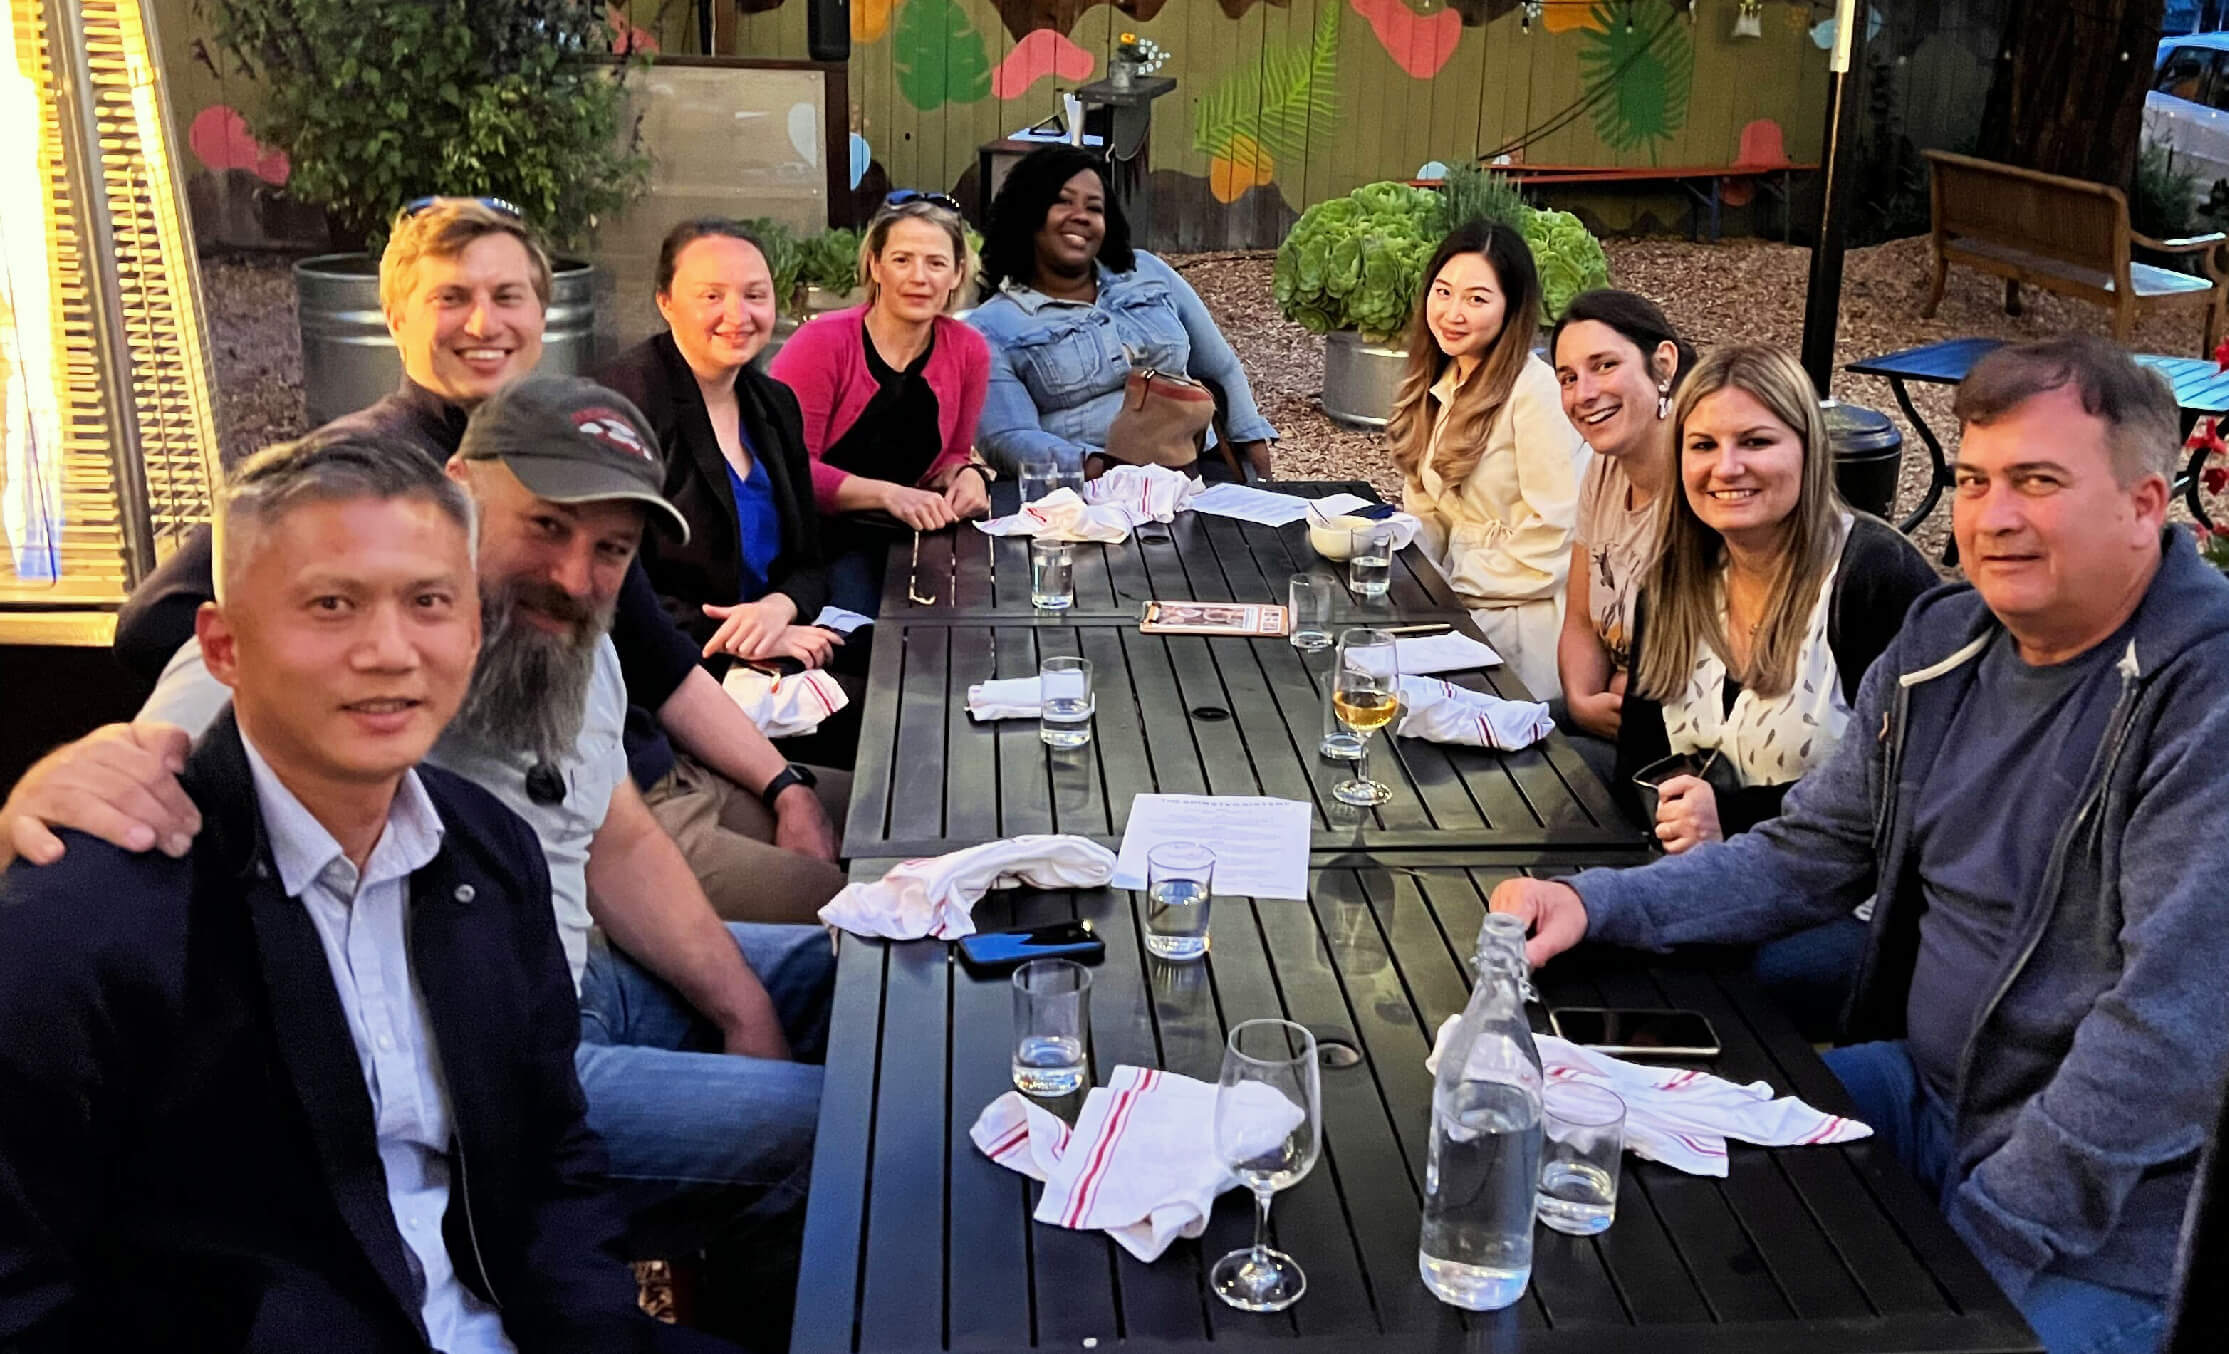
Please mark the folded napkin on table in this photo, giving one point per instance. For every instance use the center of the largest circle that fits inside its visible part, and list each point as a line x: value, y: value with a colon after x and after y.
x: 1141, y: 1162
x: 1683, y: 1116
x: 1442, y: 712
x: 1006, y: 698
x: 783, y: 706
x: 935, y: 896
x: 1063, y: 516
x: 1450, y: 652
x: 843, y: 622
x: 1149, y: 493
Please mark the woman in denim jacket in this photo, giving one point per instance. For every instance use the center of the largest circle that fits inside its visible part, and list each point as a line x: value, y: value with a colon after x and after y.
x: 1073, y: 308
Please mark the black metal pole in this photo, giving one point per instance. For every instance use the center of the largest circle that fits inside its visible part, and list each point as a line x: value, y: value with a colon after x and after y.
x: 1822, y: 299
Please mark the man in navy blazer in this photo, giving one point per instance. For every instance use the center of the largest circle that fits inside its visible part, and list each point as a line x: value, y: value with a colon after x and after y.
x: 310, y: 1086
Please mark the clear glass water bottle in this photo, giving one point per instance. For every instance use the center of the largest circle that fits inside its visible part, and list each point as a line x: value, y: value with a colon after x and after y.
x: 1483, y: 1172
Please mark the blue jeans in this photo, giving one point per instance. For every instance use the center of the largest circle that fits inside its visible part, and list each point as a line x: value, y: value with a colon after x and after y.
x: 1808, y: 975
x: 2071, y: 1316
x: 704, y: 1147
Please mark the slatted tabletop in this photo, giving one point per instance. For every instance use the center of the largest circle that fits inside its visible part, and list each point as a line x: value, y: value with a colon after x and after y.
x: 1198, y: 557
x: 915, y: 1242
x: 1176, y: 715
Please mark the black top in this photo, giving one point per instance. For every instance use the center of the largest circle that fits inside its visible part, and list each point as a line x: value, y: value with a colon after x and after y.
x: 1875, y: 581
x: 896, y: 436
x: 189, y: 1156
x: 709, y: 569
x: 654, y: 656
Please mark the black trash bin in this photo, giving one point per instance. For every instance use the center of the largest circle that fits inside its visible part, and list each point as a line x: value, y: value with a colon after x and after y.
x: 1868, y: 454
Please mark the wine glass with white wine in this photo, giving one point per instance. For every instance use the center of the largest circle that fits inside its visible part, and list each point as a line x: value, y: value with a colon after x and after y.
x: 1365, y: 695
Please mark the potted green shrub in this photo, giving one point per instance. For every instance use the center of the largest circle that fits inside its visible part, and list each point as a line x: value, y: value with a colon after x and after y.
x: 829, y: 268
x: 1352, y: 267
x: 376, y: 105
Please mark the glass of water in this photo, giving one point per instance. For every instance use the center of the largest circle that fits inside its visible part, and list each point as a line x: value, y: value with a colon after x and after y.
x: 1584, y: 1130
x: 1179, y: 879
x: 1370, y: 566
x: 1052, y: 575
x: 1052, y: 1025
x: 1038, y: 478
x: 1308, y: 599
x: 1065, y: 704
x: 1269, y: 1127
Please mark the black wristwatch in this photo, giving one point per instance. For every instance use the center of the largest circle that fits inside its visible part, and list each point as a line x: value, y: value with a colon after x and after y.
x: 979, y: 468
x: 793, y: 774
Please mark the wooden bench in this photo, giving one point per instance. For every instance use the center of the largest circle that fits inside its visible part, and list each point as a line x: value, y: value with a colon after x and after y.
x: 2064, y: 235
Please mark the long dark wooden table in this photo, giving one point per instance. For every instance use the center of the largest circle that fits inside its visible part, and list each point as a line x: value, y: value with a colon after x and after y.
x: 1176, y: 714
x: 916, y: 1242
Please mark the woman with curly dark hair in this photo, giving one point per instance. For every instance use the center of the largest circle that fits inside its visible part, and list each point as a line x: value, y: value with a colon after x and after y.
x: 1073, y: 307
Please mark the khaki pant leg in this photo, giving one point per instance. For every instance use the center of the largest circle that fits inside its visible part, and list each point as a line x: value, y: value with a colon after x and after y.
x: 746, y: 876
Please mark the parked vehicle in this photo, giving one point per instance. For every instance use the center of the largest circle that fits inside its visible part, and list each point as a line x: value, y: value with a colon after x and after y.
x: 2188, y: 111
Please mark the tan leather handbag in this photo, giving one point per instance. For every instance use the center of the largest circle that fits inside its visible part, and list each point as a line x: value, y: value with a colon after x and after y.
x: 1163, y: 421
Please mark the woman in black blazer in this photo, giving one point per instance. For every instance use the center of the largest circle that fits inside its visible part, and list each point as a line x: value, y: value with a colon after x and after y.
x: 750, y: 581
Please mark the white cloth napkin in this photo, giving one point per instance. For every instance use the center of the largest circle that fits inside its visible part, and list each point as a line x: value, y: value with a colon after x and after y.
x: 1006, y: 698
x: 1141, y: 1162
x: 936, y: 896
x: 782, y: 706
x: 1405, y: 525
x: 1442, y: 712
x: 1062, y: 516
x: 1451, y: 652
x: 843, y: 622
x: 1149, y: 493
x: 1683, y: 1116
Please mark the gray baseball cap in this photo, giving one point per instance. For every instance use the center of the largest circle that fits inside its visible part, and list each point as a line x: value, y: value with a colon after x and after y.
x: 570, y: 440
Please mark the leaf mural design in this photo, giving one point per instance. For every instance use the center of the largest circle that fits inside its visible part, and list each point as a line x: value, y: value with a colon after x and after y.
x: 1260, y: 113
x: 939, y: 55
x: 1646, y: 73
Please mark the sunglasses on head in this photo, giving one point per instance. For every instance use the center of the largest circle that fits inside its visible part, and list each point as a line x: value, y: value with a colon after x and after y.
x: 494, y: 204
x: 905, y: 195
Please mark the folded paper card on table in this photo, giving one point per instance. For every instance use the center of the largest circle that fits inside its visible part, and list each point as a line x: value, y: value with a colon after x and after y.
x: 1141, y: 1163
x: 1260, y: 844
x: 1248, y: 619
x: 1683, y: 1116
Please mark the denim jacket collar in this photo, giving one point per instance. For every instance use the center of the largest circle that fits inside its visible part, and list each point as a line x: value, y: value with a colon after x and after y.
x: 1032, y: 300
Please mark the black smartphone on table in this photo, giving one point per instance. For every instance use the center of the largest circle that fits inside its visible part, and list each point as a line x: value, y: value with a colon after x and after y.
x: 1667, y: 1033
x: 987, y: 954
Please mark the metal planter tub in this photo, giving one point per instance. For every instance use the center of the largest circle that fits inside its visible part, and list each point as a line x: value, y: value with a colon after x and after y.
x: 1360, y: 379
x: 348, y: 359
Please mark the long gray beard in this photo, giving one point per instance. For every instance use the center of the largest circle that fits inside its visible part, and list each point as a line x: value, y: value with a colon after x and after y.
x: 530, y: 688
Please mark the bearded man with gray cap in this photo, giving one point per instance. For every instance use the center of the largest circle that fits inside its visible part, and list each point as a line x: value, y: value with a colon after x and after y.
x: 698, y: 1046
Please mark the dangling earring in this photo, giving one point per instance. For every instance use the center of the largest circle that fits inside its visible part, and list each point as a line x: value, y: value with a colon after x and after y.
x: 1664, y: 401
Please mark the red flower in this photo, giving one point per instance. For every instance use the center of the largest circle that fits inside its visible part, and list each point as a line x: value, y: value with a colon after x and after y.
x: 2207, y: 437
x: 2221, y: 354
x: 2215, y: 478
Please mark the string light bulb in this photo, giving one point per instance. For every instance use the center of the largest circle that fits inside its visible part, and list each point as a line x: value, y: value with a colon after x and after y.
x: 1528, y: 12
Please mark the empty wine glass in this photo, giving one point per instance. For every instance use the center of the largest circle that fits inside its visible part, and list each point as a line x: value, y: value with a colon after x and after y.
x: 1269, y: 1127
x: 1365, y: 695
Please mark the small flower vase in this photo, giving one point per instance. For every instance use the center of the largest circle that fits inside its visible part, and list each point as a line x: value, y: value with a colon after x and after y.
x: 1122, y: 74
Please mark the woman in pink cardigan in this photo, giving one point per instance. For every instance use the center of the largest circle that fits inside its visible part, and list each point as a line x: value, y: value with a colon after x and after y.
x: 891, y: 391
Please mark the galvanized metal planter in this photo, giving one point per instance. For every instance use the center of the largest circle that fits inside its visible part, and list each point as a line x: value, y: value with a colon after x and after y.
x: 348, y: 360
x: 1360, y: 378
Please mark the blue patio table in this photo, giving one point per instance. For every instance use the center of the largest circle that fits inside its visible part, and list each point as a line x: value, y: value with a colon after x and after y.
x: 2201, y: 390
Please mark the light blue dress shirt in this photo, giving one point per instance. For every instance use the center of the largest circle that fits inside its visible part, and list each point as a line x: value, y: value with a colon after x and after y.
x: 362, y: 922
x: 1058, y: 367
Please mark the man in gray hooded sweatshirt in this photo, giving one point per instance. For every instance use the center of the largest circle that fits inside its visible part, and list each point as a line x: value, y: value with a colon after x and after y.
x: 2033, y: 792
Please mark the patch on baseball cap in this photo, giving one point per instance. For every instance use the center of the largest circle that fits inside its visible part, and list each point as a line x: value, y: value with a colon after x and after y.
x: 570, y: 440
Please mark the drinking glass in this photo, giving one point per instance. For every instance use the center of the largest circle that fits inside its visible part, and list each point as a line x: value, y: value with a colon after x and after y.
x: 1065, y: 704
x: 1370, y: 565
x: 1052, y: 1024
x: 1038, y: 478
x: 1366, y: 694
x: 1338, y: 745
x: 1269, y: 1127
x: 1052, y: 575
x: 1179, y: 881
x: 1308, y: 598
x: 1584, y: 1127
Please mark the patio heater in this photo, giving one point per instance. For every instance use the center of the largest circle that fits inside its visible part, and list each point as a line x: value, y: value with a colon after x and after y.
x: 107, y: 432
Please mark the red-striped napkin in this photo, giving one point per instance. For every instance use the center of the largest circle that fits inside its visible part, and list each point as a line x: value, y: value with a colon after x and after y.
x: 1683, y: 1116
x: 1141, y: 1163
x: 1442, y: 712
x: 782, y: 706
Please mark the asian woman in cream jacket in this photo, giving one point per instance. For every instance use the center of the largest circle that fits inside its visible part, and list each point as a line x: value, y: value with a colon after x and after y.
x: 1489, y: 463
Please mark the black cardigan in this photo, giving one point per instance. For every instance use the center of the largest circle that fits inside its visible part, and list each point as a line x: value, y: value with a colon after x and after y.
x: 710, y: 567
x: 1875, y: 582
